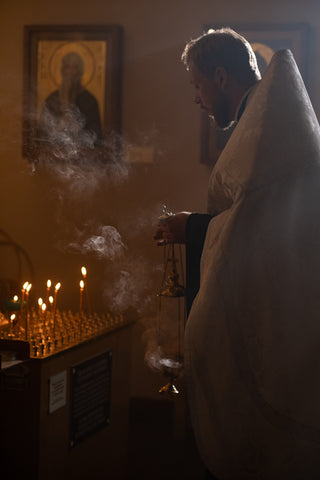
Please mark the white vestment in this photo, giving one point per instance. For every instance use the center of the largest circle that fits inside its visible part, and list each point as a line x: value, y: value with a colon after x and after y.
x: 252, y: 340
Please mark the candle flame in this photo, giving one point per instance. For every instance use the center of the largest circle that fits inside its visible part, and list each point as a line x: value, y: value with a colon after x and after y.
x: 81, y: 284
x: 51, y: 299
x: 29, y: 287
x: 15, y: 298
x: 84, y: 271
x: 25, y: 285
x: 48, y: 283
x: 40, y: 301
x: 57, y: 286
x: 43, y: 307
x: 13, y: 316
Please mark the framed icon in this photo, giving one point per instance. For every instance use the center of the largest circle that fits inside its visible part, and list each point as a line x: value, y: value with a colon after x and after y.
x: 72, y: 88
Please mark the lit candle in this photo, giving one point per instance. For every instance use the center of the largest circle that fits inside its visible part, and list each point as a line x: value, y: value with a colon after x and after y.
x: 27, y: 308
x: 27, y: 295
x: 12, y: 318
x: 51, y: 300
x: 40, y: 302
x: 48, y: 290
x: 24, y: 287
x: 81, y: 294
x: 56, y: 289
x: 23, y: 291
x: 84, y: 274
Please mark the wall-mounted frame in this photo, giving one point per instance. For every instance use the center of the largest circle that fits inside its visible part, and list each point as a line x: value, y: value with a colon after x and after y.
x: 265, y: 41
x: 72, y: 83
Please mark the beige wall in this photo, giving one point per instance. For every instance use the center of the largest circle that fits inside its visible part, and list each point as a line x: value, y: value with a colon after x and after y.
x: 157, y: 108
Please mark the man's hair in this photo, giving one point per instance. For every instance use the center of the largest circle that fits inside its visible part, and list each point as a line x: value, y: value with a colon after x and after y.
x: 223, y: 48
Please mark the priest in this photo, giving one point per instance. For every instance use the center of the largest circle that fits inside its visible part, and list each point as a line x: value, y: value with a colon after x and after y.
x: 252, y: 340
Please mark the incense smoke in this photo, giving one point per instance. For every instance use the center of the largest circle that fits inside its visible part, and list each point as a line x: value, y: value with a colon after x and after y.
x: 157, y: 359
x: 107, y: 243
x: 65, y: 134
x: 82, y: 169
x: 163, y: 338
x: 132, y: 286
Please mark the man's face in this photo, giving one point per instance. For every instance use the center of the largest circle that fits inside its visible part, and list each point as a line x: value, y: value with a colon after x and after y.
x: 211, y: 96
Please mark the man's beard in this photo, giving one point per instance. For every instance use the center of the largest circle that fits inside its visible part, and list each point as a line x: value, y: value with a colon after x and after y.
x: 221, y: 113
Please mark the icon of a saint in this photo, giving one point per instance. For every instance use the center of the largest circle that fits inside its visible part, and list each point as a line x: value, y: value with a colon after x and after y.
x: 70, y: 115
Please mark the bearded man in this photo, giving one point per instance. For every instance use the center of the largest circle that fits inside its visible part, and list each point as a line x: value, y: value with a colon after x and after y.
x: 252, y: 356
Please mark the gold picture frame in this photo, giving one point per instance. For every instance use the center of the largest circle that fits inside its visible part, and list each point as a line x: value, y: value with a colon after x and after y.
x: 96, y: 51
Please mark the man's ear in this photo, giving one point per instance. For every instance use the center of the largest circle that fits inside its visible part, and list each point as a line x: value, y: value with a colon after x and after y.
x: 221, y: 77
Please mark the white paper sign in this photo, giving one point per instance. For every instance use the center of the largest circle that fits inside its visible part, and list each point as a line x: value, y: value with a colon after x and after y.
x: 57, y: 391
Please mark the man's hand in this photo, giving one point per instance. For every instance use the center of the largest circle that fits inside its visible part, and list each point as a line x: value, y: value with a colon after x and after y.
x: 172, y: 229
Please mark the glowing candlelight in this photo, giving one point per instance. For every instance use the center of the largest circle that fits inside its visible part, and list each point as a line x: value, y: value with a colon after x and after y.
x: 81, y: 294
x: 50, y: 300
x: 15, y: 298
x: 48, y: 290
x: 40, y: 303
x: 43, y: 307
x: 24, y: 287
x: 84, y: 274
x: 23, y: 290
x: 12, y: 318
x: 28, y: 291
x: 56, y: 289
x: 28, y: 288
